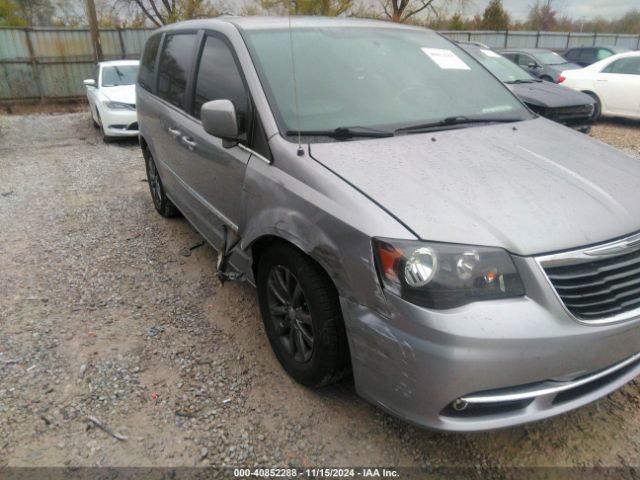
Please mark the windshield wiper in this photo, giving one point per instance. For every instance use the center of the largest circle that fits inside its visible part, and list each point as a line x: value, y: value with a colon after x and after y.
x: 452, y: 122
x: 520, y: 81
x: 343, y: 133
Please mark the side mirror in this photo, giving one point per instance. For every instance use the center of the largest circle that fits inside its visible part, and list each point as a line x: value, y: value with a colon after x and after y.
x: 219, y: 119
x: 89, y: 82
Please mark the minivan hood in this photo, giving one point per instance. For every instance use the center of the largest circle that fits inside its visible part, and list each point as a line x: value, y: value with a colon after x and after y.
x: 549, y: 95
x: 530, y: 187
x: 122, y: 93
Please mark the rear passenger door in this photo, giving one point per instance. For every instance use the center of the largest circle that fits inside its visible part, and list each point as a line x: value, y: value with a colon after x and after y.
x: 215, y: 174
x: 174, y: 72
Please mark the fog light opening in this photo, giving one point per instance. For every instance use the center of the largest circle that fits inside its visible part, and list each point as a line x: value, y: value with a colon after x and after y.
x: 459, y: 405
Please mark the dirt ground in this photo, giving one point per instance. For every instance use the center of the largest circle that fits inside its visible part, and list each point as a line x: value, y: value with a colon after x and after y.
x: 104, y: 313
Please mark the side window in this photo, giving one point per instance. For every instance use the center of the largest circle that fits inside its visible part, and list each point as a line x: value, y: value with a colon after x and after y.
x: 627, y: 66
x: 572, y: 55
x: 218, y: 78
x: 588, y: 55
x: 173, y: 68
x: 602, y: 53
x: 148, y: 63
x: 525, y: 60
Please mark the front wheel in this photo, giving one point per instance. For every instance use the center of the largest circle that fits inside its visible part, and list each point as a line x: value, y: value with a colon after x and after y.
x: 302, y: 317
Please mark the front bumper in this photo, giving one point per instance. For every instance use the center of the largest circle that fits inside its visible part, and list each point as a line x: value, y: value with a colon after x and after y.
x: 119, y: 123
x: 418, y: 364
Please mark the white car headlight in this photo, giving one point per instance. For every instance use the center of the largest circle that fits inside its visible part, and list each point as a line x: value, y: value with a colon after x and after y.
x: 119, y: 106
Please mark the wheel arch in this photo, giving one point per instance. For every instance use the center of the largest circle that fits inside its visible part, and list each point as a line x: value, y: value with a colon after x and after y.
x: 320, y: 256
x: 593, y: 94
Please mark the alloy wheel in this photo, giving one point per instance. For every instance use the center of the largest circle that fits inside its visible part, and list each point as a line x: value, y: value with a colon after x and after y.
x: 290, y: 314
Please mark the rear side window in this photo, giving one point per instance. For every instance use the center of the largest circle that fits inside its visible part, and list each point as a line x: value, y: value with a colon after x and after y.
x: 572, y: 55
x: 219, y: 78
x: 148, y: 63
x: 173, y: 69
x: 628, y: 66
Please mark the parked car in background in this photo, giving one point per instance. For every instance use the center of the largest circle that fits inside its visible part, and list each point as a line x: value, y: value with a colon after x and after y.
x: 112, y: 98
x: 402, y: 214
x: 585, y: 56
x: 563, y: 105
x: 541, y: 63
x: 614, y: 83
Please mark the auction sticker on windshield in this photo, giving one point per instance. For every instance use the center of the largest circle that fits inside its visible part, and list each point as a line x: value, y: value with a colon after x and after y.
x: 445, y: 59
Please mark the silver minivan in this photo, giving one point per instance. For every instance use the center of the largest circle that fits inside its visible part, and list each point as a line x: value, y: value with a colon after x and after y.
x: 404, y: 217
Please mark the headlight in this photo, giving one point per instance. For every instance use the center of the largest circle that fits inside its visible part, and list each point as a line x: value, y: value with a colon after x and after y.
x: 441, y: 275
x: 119, y: 106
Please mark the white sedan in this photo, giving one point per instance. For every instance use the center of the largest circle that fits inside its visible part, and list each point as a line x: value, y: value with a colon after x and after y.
x: 613, y: 82
x: 112, y: 98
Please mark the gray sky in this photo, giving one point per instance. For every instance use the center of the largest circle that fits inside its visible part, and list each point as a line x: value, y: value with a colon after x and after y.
x: 576, y: 9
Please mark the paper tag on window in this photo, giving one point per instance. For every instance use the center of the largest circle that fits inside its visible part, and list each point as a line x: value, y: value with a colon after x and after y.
x: 490, y: 53
x: 445, y: 59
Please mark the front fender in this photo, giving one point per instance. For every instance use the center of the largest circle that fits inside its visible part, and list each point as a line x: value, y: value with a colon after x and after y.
x: 294, y: 227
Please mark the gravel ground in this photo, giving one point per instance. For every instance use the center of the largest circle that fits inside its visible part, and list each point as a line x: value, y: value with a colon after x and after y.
x: 102, y: 315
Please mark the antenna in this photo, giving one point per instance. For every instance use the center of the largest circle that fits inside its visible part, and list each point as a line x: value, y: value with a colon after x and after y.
x: 295, y: 86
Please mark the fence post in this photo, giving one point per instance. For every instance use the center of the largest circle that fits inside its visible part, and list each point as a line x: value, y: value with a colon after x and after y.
x: 506, y: 38
x: 595, y: 38
x: 34, y: 64
x: 122, y: 47
x: 616, y: 41
x: 538, y: 39
x: 568, y: 40
x: 638, y: 44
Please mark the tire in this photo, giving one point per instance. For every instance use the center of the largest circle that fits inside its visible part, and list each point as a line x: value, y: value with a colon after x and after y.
x: 105, y: 138
x: 161, y: 202
x: 547, y: 79
x: 597, y: 110
x: 298, y: 301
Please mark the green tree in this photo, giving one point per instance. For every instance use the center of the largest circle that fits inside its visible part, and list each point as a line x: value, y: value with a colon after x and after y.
x: 9, y: 15
x: 327, y: 8
x: 495, y: 17
x: 456, y: 22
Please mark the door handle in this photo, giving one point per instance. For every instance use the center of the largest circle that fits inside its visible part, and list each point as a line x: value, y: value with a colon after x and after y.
x: 601, y: 80
x: 190, y: 144
x: 175, y: 132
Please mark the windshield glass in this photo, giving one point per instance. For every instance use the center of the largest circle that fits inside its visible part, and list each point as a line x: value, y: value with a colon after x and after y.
x: 504, y: 69
x: 373, y: 77
x: 114, y: 76
x: 549, y: 58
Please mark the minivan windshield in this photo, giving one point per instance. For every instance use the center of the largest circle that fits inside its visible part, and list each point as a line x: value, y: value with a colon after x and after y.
x: 504, y: 69
x: 117, y: 75
x: 374, y: 78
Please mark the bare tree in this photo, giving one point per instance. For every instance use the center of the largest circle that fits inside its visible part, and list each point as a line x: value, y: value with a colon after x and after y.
x: 162, y: 12
x: 327, y: 8
x: 542, y: 16
x: 402, y: 10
